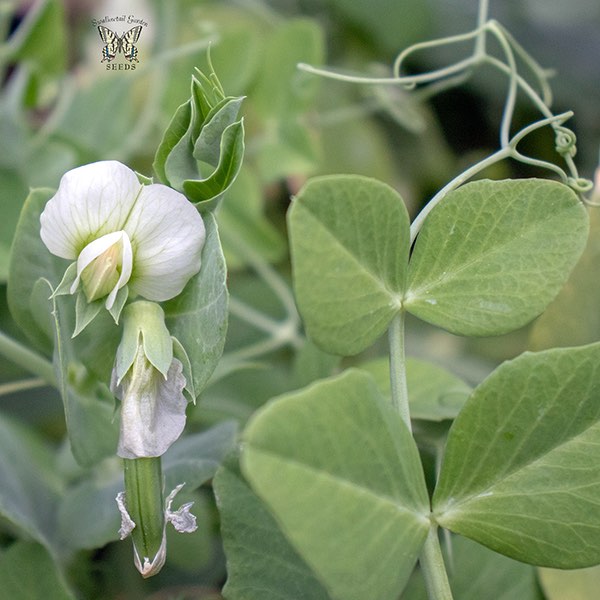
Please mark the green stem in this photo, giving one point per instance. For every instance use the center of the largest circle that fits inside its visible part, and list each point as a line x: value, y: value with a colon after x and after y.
x: 398, y: 368
x: 282, y: 332
x: 19, y: 386
x: 434, y: 569
x: 28, y: 359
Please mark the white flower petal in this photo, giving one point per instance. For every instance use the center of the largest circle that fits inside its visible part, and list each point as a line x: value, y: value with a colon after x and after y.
x: 127, y: 524
x: 97, y: 247
x: 92, y: 251
x: 182, y: 519
x: 126, y: 269
x: 167, y: 233
x: 148, y: 567
x: 91, y: 201
x: 152, y: 410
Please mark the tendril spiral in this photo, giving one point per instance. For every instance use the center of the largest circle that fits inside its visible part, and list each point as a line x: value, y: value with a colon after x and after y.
x: 581, y: 185
x: 565, y: 141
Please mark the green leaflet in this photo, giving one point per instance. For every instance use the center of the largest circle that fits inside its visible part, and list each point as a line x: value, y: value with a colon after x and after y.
x: 30, y: 486
x: 349, y: 239
x: 335, y: 463
x: 493, y: 254
x: 488, y: 260
x: 261, y: 562
x: 521, y: 473
x: 28, y: 571
x: 30, y: 261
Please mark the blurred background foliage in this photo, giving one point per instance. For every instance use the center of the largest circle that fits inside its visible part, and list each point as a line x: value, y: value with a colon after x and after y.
x: 60, y: 107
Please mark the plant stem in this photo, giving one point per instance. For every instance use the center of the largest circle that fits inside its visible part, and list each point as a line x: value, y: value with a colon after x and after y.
x: 434, y: 569
x: 28, y: 359
x: 19, y: 386
x: 398, y: 368
x: 283, y: 332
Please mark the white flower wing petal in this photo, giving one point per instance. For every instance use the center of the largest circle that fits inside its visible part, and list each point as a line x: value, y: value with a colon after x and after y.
x: 126, y: 268
x: 127, y: 524
x: 167, y: 234
x: 91, y: 201
x: 182, y: 519
x: 150, y: 424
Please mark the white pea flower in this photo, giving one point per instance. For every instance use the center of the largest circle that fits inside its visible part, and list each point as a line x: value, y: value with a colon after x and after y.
x: 125, y: 238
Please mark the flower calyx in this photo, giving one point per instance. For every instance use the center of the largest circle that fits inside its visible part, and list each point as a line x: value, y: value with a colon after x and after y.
x: 149, y: 381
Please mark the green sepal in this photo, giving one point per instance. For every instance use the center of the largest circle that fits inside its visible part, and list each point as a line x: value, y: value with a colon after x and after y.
x: 207, y: 90
x: 143, y: 179
x: 64, y: 287
x: 181, y: 355
x: 117, y: 307
x: 39, y: 305
x: 85, y: 312
x: 144, y: 326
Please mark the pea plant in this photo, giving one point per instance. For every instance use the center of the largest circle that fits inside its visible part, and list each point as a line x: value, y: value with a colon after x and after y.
x: 372, y: 474
x: 336, y: 463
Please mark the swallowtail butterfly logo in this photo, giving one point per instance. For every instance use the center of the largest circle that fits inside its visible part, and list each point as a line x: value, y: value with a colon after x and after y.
x: 124, y: 43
